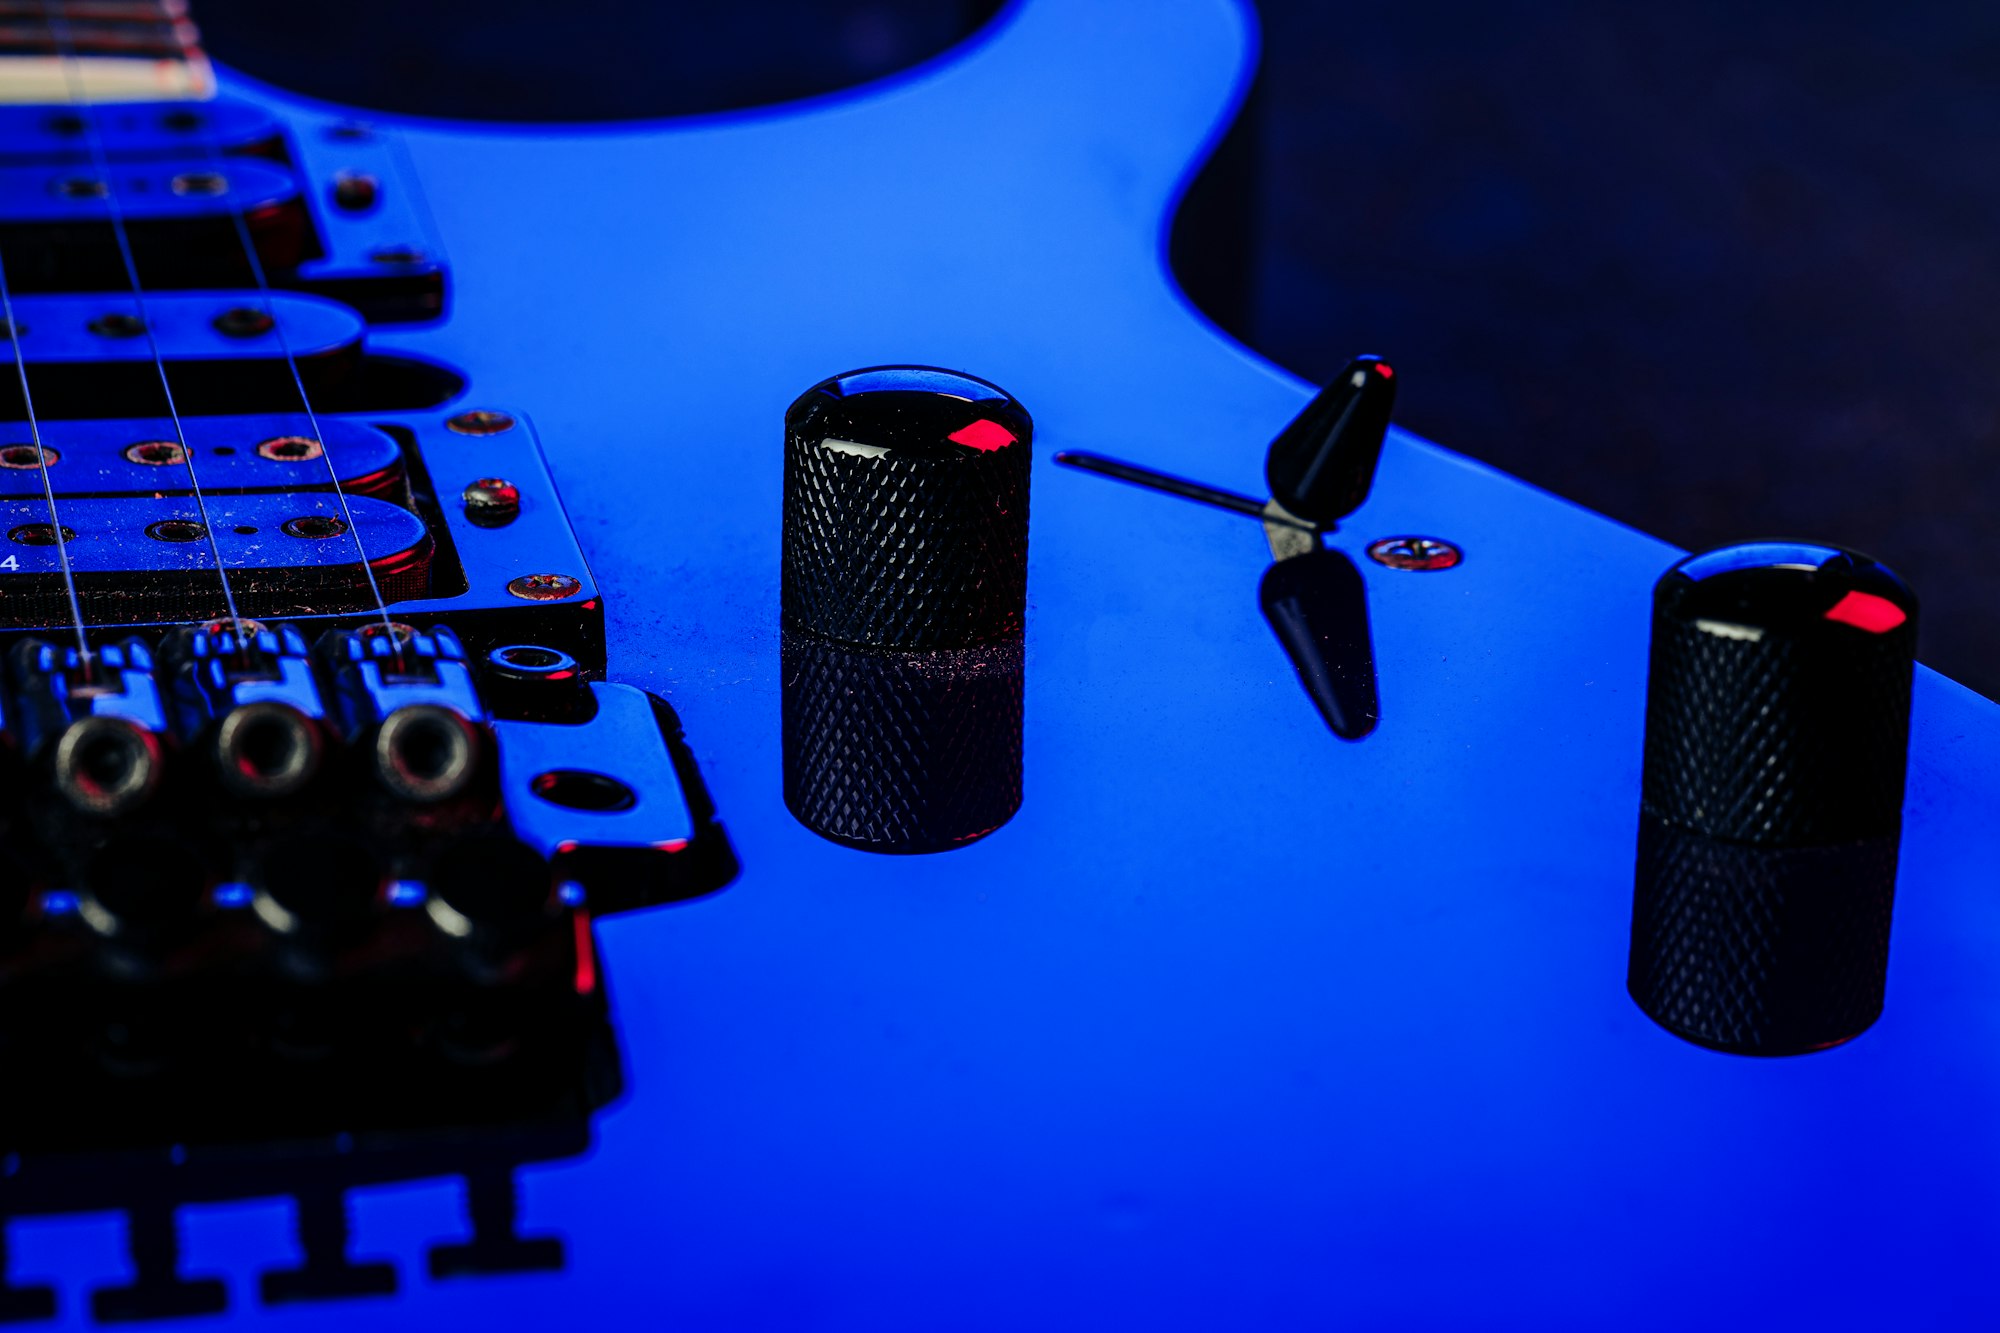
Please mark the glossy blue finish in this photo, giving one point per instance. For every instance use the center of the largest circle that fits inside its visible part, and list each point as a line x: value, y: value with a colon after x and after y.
x: 1234, y: 1025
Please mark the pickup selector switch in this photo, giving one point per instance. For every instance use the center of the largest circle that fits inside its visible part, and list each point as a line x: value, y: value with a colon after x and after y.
x: 1777, y: 738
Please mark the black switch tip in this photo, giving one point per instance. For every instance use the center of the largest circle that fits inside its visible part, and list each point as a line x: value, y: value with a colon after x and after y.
x: 1321, y: 466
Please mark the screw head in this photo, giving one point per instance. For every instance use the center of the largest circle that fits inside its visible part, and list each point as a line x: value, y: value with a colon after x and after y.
x: 291, y: 449
x: 492, y: 502
x: 1415, y: 553
x: 545, y: 587
x: 82, y: 187
x: 479, y: 421
x: 314, y: 526
x: 117, y: 324
x: 243, y: 321
x: 355, y: 191
x: 156, y: 453
x: 176, y: 530
x: 199, y: 183
x: 397, y: 254
x: 27, y: 457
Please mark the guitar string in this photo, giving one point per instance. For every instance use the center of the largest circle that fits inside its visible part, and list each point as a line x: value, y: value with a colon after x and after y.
x: 42, y: 465
x: 239, y: 215
x: 100, y: 164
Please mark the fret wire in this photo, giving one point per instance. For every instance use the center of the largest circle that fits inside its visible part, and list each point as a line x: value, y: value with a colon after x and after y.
x: 42, y: 464
x: 239, y: 215
x: 100, y: 163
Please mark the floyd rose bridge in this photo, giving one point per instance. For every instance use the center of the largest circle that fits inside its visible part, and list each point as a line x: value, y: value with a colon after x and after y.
x: 307, y: 749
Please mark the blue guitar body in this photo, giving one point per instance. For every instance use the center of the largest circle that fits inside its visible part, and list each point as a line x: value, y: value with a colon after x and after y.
x: 1236, y: 1023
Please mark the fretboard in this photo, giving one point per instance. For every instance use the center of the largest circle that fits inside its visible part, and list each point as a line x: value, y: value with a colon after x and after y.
x: 60, y: 51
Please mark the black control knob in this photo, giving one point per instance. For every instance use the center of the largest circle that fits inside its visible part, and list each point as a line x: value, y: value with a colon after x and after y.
x: 906, y: 510
x: 1777, y: 739
x: 1321, y: 465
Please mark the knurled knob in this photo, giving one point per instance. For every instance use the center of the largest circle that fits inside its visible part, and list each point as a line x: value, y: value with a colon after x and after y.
x: 906, y: 510
x: 1777, y: 739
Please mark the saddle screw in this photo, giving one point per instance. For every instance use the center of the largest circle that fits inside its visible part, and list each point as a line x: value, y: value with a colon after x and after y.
x: 1415, y: 553
x: 397, y: 254
x: 492, y: 502
x: 480, y: 422
x: 244, y: 321
x: 544, y: 587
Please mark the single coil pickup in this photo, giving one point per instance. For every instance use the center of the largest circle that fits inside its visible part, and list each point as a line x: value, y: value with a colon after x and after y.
x: 151, y: 559
x: 123, y: 131
x: 221, y: 455
x: 59, y: 223
x: 207, y: 326
x: 94, y: 356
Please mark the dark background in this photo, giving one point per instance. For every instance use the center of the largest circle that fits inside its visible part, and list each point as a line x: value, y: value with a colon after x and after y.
x: 1717, y: 270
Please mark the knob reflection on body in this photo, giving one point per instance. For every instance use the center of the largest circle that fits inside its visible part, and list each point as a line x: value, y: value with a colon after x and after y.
x: 1777, y: 738
x: 1320, y: 469
x: 904, y: 599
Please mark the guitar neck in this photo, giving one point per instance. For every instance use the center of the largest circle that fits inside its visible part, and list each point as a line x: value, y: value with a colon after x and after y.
x: 95, y: 51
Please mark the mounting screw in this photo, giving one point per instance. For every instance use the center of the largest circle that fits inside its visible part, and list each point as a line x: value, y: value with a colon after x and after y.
x: 1418, y: 553
x: 397, y: 254
x: 544, y: 587
x: 82, y: 187
x: 492, y: 502
x: 355, y: 191
x: 243, y: 321
x: 350, y: 132
x: 480, y: 422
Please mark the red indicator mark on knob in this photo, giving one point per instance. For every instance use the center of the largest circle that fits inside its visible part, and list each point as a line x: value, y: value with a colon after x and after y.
x: 1864, y: 610
x: 982, y: 435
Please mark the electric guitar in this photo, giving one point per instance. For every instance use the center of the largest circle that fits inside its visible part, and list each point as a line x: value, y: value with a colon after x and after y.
x: 423, y: 905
